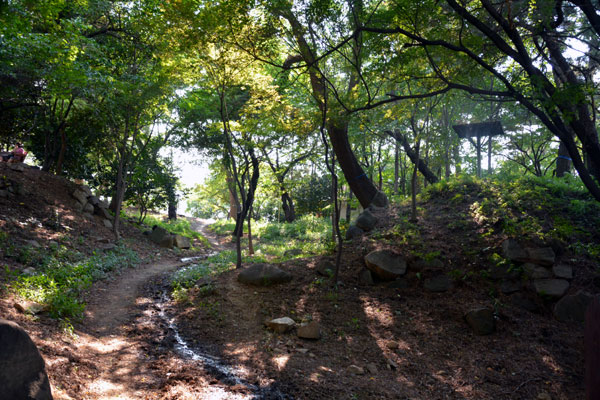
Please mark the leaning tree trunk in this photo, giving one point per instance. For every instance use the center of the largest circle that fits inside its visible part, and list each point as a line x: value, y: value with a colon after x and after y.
x: 414, y: 157
x: 246, y: 206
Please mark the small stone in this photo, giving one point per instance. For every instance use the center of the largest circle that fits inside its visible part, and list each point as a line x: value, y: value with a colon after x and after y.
x: 356, y: 370
x: 107, y: 223
x: 29, y: 271
x: 391, y: 364
x: 563, y: 271
x: 88, y: 208
x: 481, y: 321
x: 372, y: 368
x: 392, y: 345
x: 302, y: 351
x: 33, y: 243
x: 281, y: 325
x: 439, y: 283
x: 312, y: 330
x: 19, y: 307
x: 551, y: 287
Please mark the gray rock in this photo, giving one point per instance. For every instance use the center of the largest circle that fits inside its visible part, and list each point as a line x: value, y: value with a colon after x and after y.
x: 365, y: 278
x: 181, y: 242
x: 563, y: 271
x: 4, y: 193
x: 19, y: 167
x: 80, y: 196
x: 513, y: 251
x: 399, y: 283
x: 312, y: 330
x: 33, y: 243
x: 551, y: 287
x: 162, y: 237
x: 508, y: 287
x: 281, y: 325
x: 22, y: 368
x: 103, y: 204
x: 86, y: 189
x: 385, y: 264
x: 535, y: 271
x: 439, y: 283
x: 354, y: 232
x: 325, y: 267
x: 481, y: 320
x: 356, y: 370
x: 372, y: 368
x: 107, y: 223
x: 93, y: 200
x: 421, y: 264
x: 380, y: 200
x: 573, y: 307
x: 366, y: 221
x: 78, y: 207
x: 542, y: 256
x: 88, y: 208
x: 263, y: 275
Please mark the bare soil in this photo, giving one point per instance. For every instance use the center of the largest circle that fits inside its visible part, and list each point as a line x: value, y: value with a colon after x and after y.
x: 410, y: 343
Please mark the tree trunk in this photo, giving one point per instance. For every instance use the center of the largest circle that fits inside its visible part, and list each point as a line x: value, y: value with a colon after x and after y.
x: 250, y: 245
x: 414, y: 156
x: 246, y: 206
x: 288, y: 207
x: 563, y: 161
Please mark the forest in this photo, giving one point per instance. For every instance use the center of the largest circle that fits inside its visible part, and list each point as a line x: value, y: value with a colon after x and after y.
x: 460, y: 126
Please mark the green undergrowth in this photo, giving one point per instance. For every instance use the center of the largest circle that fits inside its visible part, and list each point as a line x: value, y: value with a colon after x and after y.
x: 179, y: 226
x: 307, y: 236
x: 189, y: 276
x: 528, y: 207
x: 57, y: 277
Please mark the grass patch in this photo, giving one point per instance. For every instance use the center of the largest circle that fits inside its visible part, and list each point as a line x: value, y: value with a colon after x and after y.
x: 281, y: 241
x: 61, y: 277
x: 179, y: 226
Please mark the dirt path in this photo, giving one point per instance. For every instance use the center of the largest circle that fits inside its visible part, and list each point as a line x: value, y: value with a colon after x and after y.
x: 121, y: 320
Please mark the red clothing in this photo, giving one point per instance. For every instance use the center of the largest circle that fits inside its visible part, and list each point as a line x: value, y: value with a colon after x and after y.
x: 19, y: 151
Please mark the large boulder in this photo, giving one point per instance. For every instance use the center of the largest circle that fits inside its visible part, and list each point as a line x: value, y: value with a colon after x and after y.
x: 563, y: 271
x: 366, y: 221
x: 263, y: 275
x: 182, y: 242
x: 80, y: 196
x: 573, y: 307
x: 22, y: 369
x: 535, y: 271
x: 385, y: 264
x: 325, y: 267
x: 353, y: 232
x: 162, y: 237
x: 513, y: 251
x: 551, y: 287
x: 379, y: 200
x: 541, y: 256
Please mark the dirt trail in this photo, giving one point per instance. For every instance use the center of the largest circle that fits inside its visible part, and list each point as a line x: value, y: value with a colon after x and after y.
x: 105, y: 338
